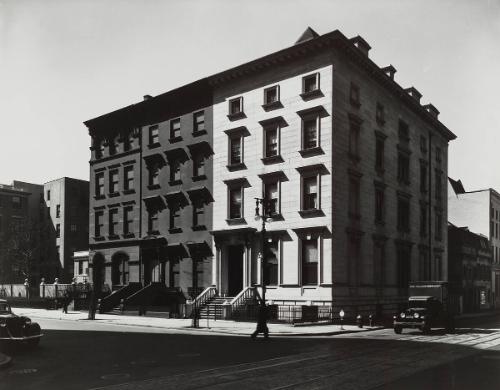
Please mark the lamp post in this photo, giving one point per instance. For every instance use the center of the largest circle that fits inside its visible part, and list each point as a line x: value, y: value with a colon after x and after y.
x: 265, y: 216
x: 342, y: 314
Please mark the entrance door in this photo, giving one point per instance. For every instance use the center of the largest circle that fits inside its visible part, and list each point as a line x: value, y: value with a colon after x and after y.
x: 234, y: 269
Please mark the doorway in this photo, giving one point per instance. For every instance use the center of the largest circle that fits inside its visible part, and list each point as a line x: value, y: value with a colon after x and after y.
x: 234, y: 269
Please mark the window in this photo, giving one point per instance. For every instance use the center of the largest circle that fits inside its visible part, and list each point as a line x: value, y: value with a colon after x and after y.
x: 113, y: 222
x: 112, y: 146
x: 175, y: 129
x: 310, y: 84
x: 154, y: 137
x: 423, y: 144
x: 99, y: 185
x: 380, y: 114
x: 403, y: 214
x: 423, y: 177
x: 309, y: 261
x: 403, y: 167
x: 354, y: 256
x: 175, y: 172
x: 271, y: 194
x: 354, y: 130
x: 437, y: 267
x: 16, y: 202
x: 271, y: 140
x: 152, y: 221
x: 73, y: 228
x: 236, y: 107
x: 439, y: 185
x: 58, y: 230
x: 235, y: 149
x: 438, y: 155
x: 423, y: 221
x: 128, y: 140
x: 310, y: 198
x: 98, y: 152
x: 271, y: 95
x: 198, y: 214
x: 174, y: 218
x: 404, y: 132
x: 354, y: 95
x: 198, y: 122
x: 128, y: 173
x: 154, y: 175
x: 378, y: 262
x: 99, y: 223
x: 113, y: 181
x: 403, y: 253
x: 439, y: 225
x: 310, y: 131
x: 58, y: 211
x: 48, y: 194
x: 235, y: 202
x: 354, y: 195
x: 128, y: 220
x: 379, y: 205
x: 272, y: 261
x: 379, y: 153
x: 198, y: 165
x: 424, y: 265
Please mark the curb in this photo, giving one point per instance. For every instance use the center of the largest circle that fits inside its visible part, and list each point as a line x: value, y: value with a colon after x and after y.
x: 4, y: 360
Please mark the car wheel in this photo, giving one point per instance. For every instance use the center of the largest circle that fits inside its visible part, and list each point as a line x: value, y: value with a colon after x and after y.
x: 398, y: 329
x: 34, y: 331
x: 426, y: 329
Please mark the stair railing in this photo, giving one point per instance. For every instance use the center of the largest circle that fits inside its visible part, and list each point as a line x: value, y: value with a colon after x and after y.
x: 240, y: 299
x: 205, y: 296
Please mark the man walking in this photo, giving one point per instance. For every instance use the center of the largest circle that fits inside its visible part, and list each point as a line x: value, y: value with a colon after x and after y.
x: 261, y: 322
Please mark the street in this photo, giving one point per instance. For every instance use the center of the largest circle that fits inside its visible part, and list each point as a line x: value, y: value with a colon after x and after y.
x: 86, y: 355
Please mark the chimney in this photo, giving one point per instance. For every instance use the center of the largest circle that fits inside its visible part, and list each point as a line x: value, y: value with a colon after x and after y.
x: 412, y: 91
x: 361, y: 44
x: 389, y: 71
x: 431, y: 110
x: 147, y: 97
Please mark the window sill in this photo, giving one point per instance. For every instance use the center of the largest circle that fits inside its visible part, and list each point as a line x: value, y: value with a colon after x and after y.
x: 272, y: 105
x: 235, y: 116
x: 153, y: 186
x: 153, y: 232
x: 236, y: 221
x: 199, y: 133
x: 379, y: 223
x: 129, y: 191
x: 175, y: 230
x: 113, y: 237
x: 276, y: 217
x: 128, y: 235
x: 153, y: 145
x: 272, y: 159
x: 175, y: 182
x: 99, y: 238
x: 199, y: 177
x: 175, y: 139
x: 311, y: 94
x: 311, y: 151
x: 99, y: 197
x: 311, y: 213
x: 113, y: 194
x: 403, y: 182
x: 198, y: 228
x: 236, y: 167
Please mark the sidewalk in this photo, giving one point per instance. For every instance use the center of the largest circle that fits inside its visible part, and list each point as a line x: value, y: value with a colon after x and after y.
x: 219, y: 327
x: 4, y: 360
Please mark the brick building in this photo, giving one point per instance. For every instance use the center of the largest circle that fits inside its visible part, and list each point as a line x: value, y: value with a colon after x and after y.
x: 469, y: 262
x: 480, y: 211
x: 151, y: 195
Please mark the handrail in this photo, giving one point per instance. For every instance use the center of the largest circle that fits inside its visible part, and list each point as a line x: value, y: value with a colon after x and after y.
x: 239, y: 300
x: 205, y: 296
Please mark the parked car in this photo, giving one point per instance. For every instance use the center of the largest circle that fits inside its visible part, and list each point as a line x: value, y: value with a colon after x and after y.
x: 424, y: 313
x: 17, y: 329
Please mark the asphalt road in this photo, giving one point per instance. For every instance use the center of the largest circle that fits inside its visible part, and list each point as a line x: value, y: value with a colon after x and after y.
x: 85, y: 355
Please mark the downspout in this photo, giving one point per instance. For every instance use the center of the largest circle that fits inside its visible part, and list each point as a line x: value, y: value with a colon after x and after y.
x: 429, y: 222
x: 141, y: 276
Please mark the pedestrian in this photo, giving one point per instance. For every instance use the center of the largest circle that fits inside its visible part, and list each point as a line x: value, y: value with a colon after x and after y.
x: 65, y: 302
x: 261, y: 322
x: 92, y: 306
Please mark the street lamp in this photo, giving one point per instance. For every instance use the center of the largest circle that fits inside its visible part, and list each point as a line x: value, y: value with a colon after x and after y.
x: 341, y: 314
x: 265, y: 216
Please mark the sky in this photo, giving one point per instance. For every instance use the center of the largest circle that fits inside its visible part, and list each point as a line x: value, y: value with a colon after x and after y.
x: 65, y: 61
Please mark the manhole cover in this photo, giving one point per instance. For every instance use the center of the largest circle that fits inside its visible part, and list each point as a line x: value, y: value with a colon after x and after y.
x: 115, y: 376
x: 186, y: 355
x: 23, y: 371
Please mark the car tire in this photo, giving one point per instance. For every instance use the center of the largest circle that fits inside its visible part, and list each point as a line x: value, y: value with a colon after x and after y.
x: 398, y: 329
x: 34, y: 331
x: 426, y: 329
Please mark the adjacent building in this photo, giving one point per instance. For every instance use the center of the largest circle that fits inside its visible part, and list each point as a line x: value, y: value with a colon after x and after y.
x: 480, y: 211
x: 353, y: 167
x: 469, y: 263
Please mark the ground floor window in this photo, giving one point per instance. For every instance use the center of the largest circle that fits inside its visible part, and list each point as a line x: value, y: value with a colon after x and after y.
x: 309, y: 258
x: 272, y: 261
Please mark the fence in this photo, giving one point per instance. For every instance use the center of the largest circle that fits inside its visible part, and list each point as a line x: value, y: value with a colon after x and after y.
x: 13, y: 291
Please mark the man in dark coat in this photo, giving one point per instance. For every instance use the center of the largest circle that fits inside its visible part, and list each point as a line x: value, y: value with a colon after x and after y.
x: 261, y: 322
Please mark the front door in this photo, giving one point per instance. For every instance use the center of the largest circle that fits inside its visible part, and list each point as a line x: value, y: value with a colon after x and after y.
x: 234, y: 269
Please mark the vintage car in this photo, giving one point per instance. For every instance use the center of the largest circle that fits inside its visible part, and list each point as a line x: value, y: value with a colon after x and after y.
x: 15, y: 328
x: 424, y: 313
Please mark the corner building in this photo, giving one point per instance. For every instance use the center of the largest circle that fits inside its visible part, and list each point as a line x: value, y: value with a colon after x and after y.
x: 355, y: 168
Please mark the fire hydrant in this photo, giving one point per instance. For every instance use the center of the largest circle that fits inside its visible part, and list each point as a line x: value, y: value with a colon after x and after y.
x: 359, y: 320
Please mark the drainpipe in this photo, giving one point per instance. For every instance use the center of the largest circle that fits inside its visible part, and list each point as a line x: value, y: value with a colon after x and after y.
x: 430, y: 202
x: 141, y: 276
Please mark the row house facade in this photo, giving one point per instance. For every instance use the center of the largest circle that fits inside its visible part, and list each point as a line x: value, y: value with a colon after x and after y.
x: 353, y: 167
x: 150, y: 192
x: 480, y: 211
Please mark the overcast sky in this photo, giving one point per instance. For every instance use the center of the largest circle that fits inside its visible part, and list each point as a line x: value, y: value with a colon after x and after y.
x: 63, y: 62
